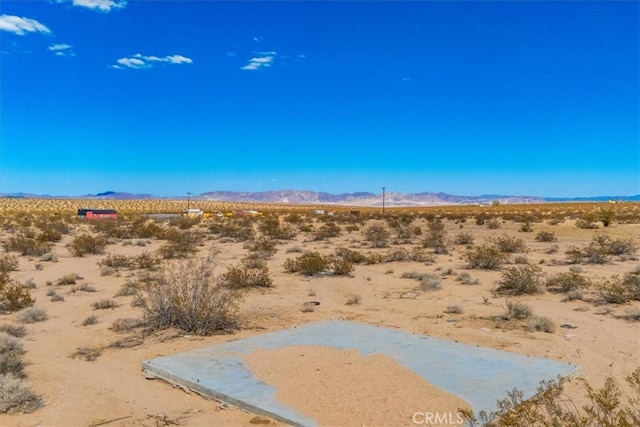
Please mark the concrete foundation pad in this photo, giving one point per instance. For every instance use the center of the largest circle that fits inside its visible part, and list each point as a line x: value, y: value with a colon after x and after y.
x: 478, y: 375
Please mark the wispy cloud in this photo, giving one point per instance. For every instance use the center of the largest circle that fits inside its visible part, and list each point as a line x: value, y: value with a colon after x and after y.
x: 264, y: 61
x: 139, y: 61
x: 62, y: 50
x: 97, y: 5
x: 21, y: 26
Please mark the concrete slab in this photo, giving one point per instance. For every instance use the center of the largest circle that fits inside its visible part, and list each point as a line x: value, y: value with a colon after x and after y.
x: 478, y: 375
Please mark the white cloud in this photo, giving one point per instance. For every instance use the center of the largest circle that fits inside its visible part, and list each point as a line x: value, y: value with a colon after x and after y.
x: 62, y: 49
x: 98, y: 5
x: 260, y: 61
x: 22, y: 26
x: 139, y: 61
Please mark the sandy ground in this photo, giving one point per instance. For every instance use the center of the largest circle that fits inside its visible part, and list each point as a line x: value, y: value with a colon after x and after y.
x: 112, y: 390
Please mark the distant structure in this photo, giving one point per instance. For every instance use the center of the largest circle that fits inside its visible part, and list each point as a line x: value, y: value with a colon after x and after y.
x: 192, y: 213
x: 89, y: 213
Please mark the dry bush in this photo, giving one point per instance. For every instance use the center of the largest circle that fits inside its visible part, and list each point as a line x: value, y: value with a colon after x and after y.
x: 85, y: 244
x: 180, y: 244
x: 350, y: 255
x: 129, y: 288
x: 492, y: 224
x: 187, y: 295
x: 68, y: 279
x: 104, y: 304
x: 435, y: 237
x: 327, y: 231
x: 486, y: 257
x: 90, y: 320
x: 521, y: 280
x: 242, y: 277
x: 308, y: 264
x: 454, y: 309
x: 32, y: 315
x: 116, y: 261
x: 546, y: 236
x: 90, y: 354
x: 550, y: 407
x: 465, y: 279
x: 341, y: 266
x: 17, y: 396
x: 83, y: 287
x: 14, y: 330
x: 8, y: 263
x: 619, y: 290
x: 541, y: 324
x: 509, y: 244
x: 463, y: 238
x: 586, y: 224
x: 428, y: 281
x: 127, y: 324
x: 517, y: 310
x: 377, y: 234
x: 27, y: 245
x: 568, y: 282
x: 354, y: 300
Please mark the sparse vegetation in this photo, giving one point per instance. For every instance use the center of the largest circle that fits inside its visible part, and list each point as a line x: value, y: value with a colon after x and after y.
x: 521, y: 280
x: 486, y: 257
x: 32, y: 315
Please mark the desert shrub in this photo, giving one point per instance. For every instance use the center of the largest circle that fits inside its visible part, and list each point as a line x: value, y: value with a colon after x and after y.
x: 8, y: 263
x: 264, y: 248
x: 26, y: 245
x: 377, y: 234
x: 17, y: 396
x: 586, y: 224
x: 188, y: 296
x: 463, y: 238
x: 308, y: 264
x: 552, y: 249
x: 546, y: 236
x: 454, y: 309
x: 541, y: 324
x: 521, y: 259
x: 11, y: 363
x: 493, y: 224
x: 9, y: 344
x: 55, y: 297
x: 90, y: 354
x: 396, y: 254
x: 13, y: 296
x: 294, y: 249
x: 632, y: 315
x: 90, y: 320
x: 403, y: 228
x: 83, y: 287
x: 430, y: 282
x: 526, y: 228
x: 621, y: 246
x: 354, y: 300
x: 239, y: 230
x: 486, y: 257
x: 567, y: 282
x: 104, y: 304
x: 521, y: 280
x: 341, y: 266
x: 108, y: 271
x: 180, y: 244
x: 612, y: 291
x: 32, y: 315
x: 435, y: 237
x: 271, y: 226
x: 241, y: 277
x: 146, y: 261
x: 509, y: 244
x: 14, y: 330
x: 51, y: 257
x: 350, y: 255
x: 116, y: 261
x: 126, y: 324
x: 68, y: 279
x: 518, y: 310
x: 574, y: 255
x: 87, y: 244
x: 327, y: 231
x: 254, y: 260
x: 465, y: 279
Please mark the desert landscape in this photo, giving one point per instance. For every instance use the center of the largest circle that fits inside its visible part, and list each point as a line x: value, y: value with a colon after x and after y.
x: 86, y: 301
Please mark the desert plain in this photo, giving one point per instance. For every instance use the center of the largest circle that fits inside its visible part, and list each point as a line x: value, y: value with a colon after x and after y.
x: 418, y: 270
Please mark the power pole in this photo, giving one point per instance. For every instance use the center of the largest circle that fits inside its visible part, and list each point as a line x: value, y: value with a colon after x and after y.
x: 189, y: 200
x: 383, y: 188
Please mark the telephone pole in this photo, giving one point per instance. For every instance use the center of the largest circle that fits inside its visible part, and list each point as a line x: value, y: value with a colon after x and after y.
x: 189, y: 199
x: 383, y: 188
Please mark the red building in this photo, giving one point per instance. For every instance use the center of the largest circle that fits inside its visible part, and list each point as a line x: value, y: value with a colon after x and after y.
x: 97, y: 213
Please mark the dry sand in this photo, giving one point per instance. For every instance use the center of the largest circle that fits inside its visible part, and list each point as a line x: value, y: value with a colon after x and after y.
x: 112, y: 390
x: 339, y: 387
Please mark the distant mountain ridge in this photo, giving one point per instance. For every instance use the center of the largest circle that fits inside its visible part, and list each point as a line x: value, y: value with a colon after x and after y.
x: 352, y: 199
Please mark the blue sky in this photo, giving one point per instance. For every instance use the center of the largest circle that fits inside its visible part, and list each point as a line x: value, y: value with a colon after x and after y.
x: 168, y: 97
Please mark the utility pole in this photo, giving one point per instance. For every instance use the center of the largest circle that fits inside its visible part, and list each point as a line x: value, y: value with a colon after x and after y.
x: 383, y: 188
x: 189, y: 200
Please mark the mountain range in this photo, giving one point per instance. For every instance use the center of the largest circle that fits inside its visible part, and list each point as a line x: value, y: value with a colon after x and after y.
x: 351, y: 199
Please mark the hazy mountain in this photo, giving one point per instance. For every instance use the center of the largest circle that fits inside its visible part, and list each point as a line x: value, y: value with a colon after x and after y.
x: 352, y: 199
